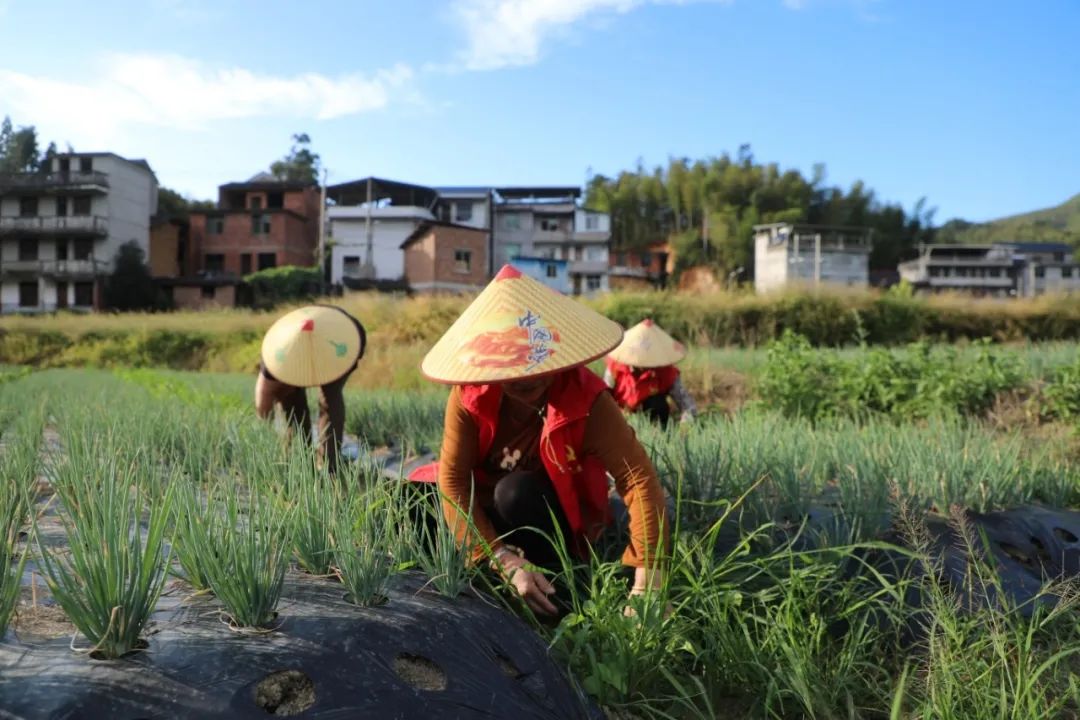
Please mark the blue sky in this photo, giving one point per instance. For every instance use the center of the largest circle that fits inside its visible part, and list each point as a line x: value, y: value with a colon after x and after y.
x: 975, y: 105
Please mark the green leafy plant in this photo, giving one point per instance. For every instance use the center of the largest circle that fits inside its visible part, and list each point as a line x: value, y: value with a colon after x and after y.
x: 239, y: 549
x: 109, y: 579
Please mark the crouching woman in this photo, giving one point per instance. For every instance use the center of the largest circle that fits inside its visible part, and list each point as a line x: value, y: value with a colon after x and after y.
x: 530, y: 437
x: 642, y: 375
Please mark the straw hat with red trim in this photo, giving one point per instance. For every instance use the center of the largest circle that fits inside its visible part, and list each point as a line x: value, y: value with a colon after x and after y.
x: 646, y: 345
x: 311, y: 346
x: 518, y: 328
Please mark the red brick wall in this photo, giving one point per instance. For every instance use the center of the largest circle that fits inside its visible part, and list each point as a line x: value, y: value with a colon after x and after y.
x: 420, y: 260
x: 291, y: 239
x: 432, y: 258
x: 189, y: 297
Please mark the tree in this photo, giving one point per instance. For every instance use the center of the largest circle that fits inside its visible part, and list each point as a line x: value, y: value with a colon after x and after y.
x: 19, y: 149
x: 130, y: 286
x: 300, y: 165
x: 172, y: 204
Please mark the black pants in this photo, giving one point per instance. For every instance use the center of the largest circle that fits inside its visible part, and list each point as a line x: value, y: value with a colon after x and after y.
x: 657, y: 409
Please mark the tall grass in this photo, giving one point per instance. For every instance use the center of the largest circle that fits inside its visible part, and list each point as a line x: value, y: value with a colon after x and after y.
x: 18, y: 473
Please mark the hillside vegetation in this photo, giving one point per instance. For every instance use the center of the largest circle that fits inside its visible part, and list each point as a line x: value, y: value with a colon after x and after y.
x: 1060, y: 223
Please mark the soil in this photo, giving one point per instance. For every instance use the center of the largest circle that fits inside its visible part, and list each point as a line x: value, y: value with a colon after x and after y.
x: 420, y: 672
x: 41, y: 621
x: 289, y: 692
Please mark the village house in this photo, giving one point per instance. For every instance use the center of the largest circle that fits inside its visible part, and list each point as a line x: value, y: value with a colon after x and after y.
x: 787, y: 254
x: 446, y: 257
x: 998, y: 270
x: 60, y: 229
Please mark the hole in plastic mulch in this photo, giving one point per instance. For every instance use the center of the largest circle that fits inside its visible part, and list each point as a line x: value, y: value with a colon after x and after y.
x: 420, y: 672
x: 286, y: 692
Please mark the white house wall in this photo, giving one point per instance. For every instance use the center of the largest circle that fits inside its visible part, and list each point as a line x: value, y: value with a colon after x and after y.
x: 131, y: 200
x: 350, y: 238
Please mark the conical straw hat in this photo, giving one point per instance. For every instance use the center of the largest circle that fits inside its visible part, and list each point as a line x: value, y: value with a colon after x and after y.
x: 311, y: 346
x: 646, y: 345
x: 518, y: 328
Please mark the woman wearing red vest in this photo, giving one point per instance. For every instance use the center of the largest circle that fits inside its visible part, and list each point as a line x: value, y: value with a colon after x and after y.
x: 530, y: 433
x: 642, y: 375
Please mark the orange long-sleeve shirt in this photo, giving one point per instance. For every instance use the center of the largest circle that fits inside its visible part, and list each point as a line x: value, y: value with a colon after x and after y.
x: 607, y: 436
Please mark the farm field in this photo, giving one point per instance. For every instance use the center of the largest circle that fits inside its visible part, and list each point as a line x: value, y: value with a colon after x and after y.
x: 813, y: 530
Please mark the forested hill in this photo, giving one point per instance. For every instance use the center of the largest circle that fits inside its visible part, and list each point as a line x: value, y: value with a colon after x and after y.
x: 1056, y: 224
x: 708, y: 207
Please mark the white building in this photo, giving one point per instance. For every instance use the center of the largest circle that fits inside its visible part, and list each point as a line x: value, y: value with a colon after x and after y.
x: 367, y: 223
x: 60, y: 229
x: 998, y: 270
x: 787, y: 254
x: 546, y: 222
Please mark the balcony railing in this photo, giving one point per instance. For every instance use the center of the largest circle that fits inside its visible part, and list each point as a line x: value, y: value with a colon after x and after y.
x: 67, y: 225
x: 55, y: 268
x: 53, y: 181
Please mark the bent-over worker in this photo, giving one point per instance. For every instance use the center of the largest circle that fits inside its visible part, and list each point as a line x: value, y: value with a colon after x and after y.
x: 314, y: 346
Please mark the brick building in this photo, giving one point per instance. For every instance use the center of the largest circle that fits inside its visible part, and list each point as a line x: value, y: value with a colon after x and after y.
x: 259, y: 224
x: 642, y: 269
x: 446, y: 257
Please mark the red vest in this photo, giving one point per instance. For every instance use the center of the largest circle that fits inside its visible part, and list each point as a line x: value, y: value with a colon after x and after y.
x: 631, y: 390
x: 580, y: 481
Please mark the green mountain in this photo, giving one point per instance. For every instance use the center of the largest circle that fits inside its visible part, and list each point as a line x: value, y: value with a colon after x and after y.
x: 1056, y: 224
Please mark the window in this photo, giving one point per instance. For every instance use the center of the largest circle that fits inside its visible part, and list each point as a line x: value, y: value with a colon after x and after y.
x: 596, y: 254
x: 592, y: 282
x: 462, y: 261
x: 511, y: 222
x: 83, y: 249
x: 65, y: 165
x: 214, y: 263
x: 351, y: 265
x: 28, y: 294
x: 61, y: 249
x: 592, y: 222
x: 275, y: 200
x: 1066, y: 272
x: 552, y: 270
x: 86, y: 164
x: 61, y: 295
x: 995, y: 272
x: 215, y: 225
x: 549, y: 224
x: 1040, y: 271
x: 245, y: 263
x: 208, y: 292
x: 646, y: 259
x: 462, y: 211
x: 267, y: 261
x: 61, y: 206
x: 512, y: 250
x: 84, y: 294
x: 28, y: 249
x: 28, y: 206
x: 260, y: 224
x: 255, y: 202
x: 81, y: 205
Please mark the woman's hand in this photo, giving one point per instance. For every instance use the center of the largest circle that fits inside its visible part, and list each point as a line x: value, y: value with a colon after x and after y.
x: 532, y: 586
x: 646, y: 581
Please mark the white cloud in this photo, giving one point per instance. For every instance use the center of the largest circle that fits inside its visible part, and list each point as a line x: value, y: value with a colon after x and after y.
x: 504, y: 33
x: 171, y: 91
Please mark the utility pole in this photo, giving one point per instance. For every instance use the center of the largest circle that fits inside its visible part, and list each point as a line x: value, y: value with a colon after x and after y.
x: 369, y: 258
x: 817, y: 259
